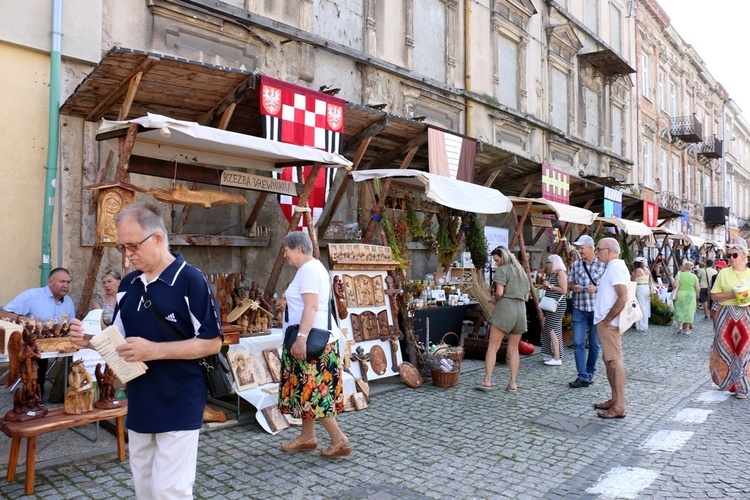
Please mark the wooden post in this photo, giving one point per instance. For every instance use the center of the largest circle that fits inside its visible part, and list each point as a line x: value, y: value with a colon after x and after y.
x: 304, y: 196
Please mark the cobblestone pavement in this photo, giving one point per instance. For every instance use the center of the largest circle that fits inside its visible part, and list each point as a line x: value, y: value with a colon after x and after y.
x: 681, y: 438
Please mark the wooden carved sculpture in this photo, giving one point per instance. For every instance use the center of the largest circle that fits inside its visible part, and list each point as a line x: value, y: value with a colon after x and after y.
x: 80, y: 395
x: 203, y: 197
x: 384, y: 327
x: 23, y: 354
x: 363, y: 359
x: 105, y: 380
x: 393, y: 338
x: 339, y: 292
x: 392, y: 291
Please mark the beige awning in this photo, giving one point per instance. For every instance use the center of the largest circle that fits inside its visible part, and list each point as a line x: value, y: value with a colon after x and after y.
x: 563, y: 212
x: 630, y: 227
x: 444, y: 190
x: 180, y: 141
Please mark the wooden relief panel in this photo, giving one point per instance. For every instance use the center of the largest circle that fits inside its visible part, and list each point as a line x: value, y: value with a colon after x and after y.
x: 351, y: 297
x: 363, y: 289
x: 377, y: 290
x: 360, y: 256
x: 378, y: 360
x: 357, y: 328
x: 368, y: 326
x: 383, y: 327
x: 111, y: 201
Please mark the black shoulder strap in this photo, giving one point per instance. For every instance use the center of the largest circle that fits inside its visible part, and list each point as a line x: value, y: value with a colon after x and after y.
x: 147, y: 304
x: 586, y: 268
x: 330, y: 303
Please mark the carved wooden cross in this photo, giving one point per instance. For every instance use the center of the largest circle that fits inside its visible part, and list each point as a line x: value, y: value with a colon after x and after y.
x: 363, y: 358
x: 393, y: 291
x: 348, y: 352
x: 393, y: 337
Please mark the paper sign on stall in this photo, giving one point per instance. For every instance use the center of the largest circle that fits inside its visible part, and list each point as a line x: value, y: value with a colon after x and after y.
x: 106, y: 344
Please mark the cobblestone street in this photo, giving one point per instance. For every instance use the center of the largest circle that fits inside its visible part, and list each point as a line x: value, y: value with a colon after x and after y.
x: 679, y: 439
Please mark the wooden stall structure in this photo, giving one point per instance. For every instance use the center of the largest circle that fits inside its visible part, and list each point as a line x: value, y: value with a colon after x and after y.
x: 534, y: 212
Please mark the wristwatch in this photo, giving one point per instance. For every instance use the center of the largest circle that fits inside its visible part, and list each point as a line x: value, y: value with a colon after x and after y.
x: 301, y: 334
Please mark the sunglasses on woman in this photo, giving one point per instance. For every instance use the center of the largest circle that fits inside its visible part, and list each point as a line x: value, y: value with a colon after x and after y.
x: 733, y: 255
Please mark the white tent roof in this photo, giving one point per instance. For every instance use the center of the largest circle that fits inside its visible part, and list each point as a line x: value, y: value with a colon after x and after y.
x: 188, y: 142
x: 563, y: 212
x: 449, y: 192
x: 630, y: 227
x: 693, y: 240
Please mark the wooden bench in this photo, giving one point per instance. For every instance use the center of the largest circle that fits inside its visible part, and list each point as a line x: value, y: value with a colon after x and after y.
x: 56, y: 420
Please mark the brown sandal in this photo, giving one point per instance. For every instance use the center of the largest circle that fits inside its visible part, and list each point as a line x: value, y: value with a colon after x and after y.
x: 605, y: 405
x: 610, y: 414
x: 298, y: 444
x: 340, y: 449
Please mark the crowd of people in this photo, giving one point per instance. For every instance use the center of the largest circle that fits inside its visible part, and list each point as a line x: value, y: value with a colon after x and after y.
x: 166, y: 404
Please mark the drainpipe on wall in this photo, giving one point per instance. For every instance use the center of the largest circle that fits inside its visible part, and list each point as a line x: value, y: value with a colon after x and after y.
x: 53, y: 140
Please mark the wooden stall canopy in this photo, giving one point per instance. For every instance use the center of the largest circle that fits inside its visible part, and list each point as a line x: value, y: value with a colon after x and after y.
x: 180, y: 141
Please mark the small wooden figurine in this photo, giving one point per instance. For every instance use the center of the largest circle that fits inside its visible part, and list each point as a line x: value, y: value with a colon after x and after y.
x: 23, y: 355
x: 105, y: 380
x: 80, y: 396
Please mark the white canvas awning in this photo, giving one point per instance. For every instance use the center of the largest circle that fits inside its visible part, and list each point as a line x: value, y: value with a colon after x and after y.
x: 188, y: 142
x: 448, y: 192
x: 630, y: 227
x: 686, y: 238
x: 563, y: 212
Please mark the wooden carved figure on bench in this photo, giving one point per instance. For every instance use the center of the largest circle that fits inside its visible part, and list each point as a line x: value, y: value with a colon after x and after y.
x: 105, y: 380
x: 23, y: 353
x: 80, y: 396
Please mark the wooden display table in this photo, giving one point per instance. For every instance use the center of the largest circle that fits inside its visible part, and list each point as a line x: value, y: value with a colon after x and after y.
x: 56, y: 420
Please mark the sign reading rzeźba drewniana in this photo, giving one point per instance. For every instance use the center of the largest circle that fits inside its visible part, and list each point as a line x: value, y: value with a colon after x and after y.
x: 258, y: 183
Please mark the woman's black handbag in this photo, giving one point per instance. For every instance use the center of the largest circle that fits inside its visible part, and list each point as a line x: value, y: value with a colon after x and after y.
x: 316, y: 339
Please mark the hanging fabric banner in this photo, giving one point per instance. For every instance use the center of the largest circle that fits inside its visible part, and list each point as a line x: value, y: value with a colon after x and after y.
x: 296, y: 115
x: 555, y: 185
x: 612, y: 203
x: 451, y: 155
x: 650, y: 213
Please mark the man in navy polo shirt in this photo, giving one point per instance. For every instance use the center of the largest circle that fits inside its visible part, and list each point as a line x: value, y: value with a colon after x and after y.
x: 165, y: 405
x: 47, y: 302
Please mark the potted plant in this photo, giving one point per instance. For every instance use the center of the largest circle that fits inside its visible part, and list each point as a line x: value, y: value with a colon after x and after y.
x: 661, y: 313
x: 567, y: 327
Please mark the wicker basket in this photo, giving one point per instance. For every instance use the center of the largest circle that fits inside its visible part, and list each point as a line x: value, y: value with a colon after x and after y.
x: 456, y: 353
x: 445, y: 379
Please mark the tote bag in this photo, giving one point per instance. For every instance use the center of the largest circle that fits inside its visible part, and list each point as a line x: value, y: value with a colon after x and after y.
x: 632, y: 310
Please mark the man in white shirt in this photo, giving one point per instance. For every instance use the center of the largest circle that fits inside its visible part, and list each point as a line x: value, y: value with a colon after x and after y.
x: 611, y: 298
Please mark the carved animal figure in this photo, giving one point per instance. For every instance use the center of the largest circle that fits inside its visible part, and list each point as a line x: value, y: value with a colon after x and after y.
x: 203, y: 197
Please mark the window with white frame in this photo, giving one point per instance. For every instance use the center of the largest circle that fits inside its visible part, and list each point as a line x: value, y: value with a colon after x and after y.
x: 507, y: 65
x: 429, y: 38
x: 615, y: 24
x: 646, y: 162
x: 591, y: 15
x: 707, y: 187
x: 559, y: 99
x: 672, y: 99
x: 617, y: 114
x: 645, y: 75
x: 663, y: 171
x: 662, y: 91
x: 676, y: 188
x: 592, y: 115
x: 688, y: 193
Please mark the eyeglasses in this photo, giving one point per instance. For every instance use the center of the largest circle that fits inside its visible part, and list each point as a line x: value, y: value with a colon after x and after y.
x: 132, y: 248
x: 597, y: 249
x: 733, y: 255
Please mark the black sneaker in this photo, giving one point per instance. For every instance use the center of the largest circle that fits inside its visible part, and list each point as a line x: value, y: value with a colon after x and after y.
x: 577, y: 383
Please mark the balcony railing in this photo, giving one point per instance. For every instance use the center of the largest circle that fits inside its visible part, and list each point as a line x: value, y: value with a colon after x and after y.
x: 711, y: 148
x: 686, y: 128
